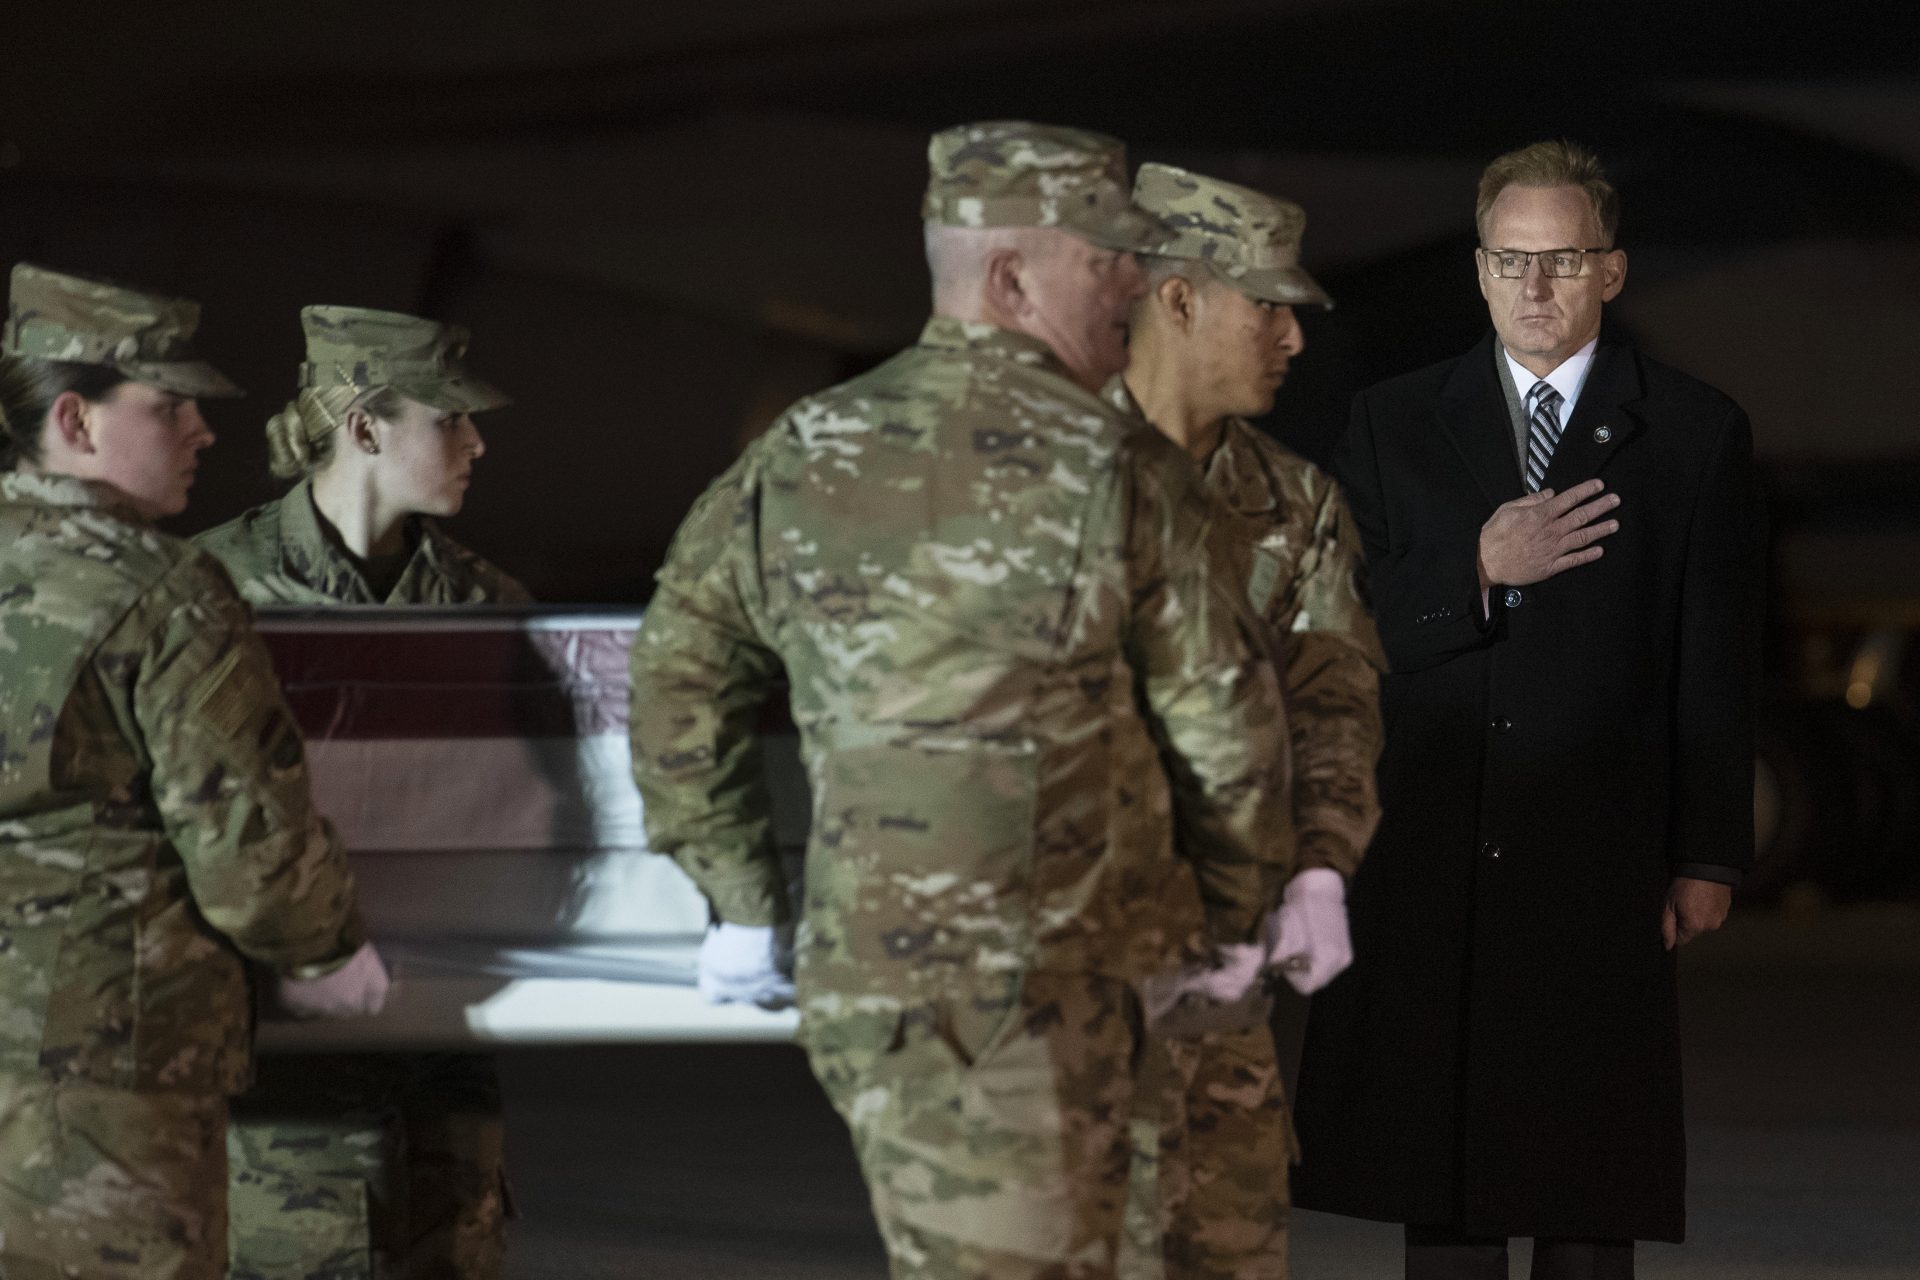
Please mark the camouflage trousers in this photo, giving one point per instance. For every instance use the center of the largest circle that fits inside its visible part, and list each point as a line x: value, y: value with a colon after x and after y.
x: 109, y: 1184
x: 1212, y: 1143
x: 990, y: 1125
x: 369, y: 1167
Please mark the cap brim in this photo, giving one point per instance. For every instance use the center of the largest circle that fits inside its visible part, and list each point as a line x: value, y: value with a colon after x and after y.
x: 1286, y: 286
x: 1130, y: 230
x: 454, y: 395
x: 194, y: 378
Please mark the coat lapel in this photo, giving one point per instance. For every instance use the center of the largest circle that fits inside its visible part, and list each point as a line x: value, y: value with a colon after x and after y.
x: 1604, y: 418
x: 1474, y: 413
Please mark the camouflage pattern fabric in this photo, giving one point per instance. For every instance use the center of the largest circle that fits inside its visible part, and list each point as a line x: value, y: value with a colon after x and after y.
x: 991, y: 597
x: 1209, y: 1192
x: 1282, y: 522
x: 155, y: 821
x: 1013, y: 173
x: 146, y: 336
x: 990, y: 1125
x: 109, y: 1183
x: 357, y: 1166
x: 1016, y: 672
x: 155, y: 828
x: 279, y: 553
x: 1248, y: 237
x: 1211, y: 1141
x: 423, y: 360
x: 350, y: 1167
x: 1304, y: 583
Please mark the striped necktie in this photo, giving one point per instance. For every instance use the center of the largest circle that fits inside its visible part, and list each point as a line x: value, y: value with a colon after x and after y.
x: 1543, y: 432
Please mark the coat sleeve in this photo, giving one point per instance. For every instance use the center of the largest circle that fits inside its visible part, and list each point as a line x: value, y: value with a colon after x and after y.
x: 1719, y: 664
x: 1424, y: 586
x: 229, y: 777
x: 1213, y: 702
x: 1332, y: 687
x: 700, y: 676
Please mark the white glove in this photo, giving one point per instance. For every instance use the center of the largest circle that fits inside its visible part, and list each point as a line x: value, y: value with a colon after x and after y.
x: 746, y: 964
x: 1307, y: 938
x: 357, y: 987
x: 1234, y: 972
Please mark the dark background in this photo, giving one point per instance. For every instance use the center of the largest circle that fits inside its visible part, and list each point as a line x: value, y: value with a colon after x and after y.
x: 664, y: 222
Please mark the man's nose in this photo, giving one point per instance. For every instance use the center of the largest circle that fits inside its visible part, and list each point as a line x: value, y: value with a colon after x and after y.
x: 1536, y: 283
x: 1134, y: 276
x: 1293, y: 340
x: 201, y: 434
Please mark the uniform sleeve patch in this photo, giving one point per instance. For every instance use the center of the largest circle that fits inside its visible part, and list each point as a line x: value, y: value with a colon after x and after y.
x: 228, y: 696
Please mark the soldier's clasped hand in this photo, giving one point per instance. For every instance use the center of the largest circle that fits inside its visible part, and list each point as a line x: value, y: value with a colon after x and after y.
x: 1533, y: 538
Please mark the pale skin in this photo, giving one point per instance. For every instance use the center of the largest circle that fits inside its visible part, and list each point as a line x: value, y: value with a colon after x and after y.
x: 418, y: 461
x: 1047, y: 283
x: 140, y: 439
x: 1542, y: 321
x: 1203, y: 352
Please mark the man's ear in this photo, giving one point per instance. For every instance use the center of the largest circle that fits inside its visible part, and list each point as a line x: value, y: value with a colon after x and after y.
x: 1180, y: 300
x: 360, y: 432
x: 1615, y: 264
x: 68, y: 416
x: 1005, y: 290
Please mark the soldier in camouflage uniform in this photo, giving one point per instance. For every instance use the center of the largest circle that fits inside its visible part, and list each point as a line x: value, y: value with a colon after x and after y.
x: 156, y: 830
x: 356, y: 1165
x: 379, y: 440
x: 1015, y: 674
x: 1211, y: 344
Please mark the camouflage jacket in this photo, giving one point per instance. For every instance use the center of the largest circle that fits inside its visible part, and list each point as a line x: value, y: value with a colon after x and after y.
x: 280, y: 554
x: 1303, y: 579
x: 155, y: 822
x: 1283, y: 521
x: 1014, y: 671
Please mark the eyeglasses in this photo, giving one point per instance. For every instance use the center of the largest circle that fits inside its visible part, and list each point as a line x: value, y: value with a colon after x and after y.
x: 1511, y: 264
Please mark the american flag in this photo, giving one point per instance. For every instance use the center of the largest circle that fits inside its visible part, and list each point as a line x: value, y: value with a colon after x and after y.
x: 476, y: 764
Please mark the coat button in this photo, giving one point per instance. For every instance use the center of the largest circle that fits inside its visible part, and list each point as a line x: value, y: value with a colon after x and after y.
x: 1491, y: 850
x: 1513, y: 597
x: 1501, y: 723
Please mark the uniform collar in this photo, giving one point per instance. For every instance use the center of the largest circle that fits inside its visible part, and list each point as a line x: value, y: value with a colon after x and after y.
x: 1120, y: 396
x: 1237, y: 472
x: 944, y: 333
x: 56, y: 490
x: 310, y: 551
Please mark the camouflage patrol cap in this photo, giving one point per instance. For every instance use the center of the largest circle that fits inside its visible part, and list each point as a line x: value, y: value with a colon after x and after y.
x: 1011, y: 173
x: 142, y: 335
x: 1247, y: 236
x: 421, y: 359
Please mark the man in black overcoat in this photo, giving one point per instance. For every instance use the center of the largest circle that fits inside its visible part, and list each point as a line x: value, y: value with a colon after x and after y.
x: 1561, y: 546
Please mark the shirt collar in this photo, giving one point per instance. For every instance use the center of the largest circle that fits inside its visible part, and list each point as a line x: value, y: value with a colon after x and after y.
x: 944, y: 333
x: 302, y: 534
x: 1567, y: 378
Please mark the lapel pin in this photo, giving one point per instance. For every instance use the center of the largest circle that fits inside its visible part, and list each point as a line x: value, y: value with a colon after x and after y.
x: 1602, y: 434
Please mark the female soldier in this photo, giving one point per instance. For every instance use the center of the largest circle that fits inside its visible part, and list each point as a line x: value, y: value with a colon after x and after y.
x: 380, y: 439
x: 395, y: 1157
x: 155, y: 821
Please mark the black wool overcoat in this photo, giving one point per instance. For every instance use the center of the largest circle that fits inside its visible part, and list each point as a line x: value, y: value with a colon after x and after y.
x: 1504, y: 1053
